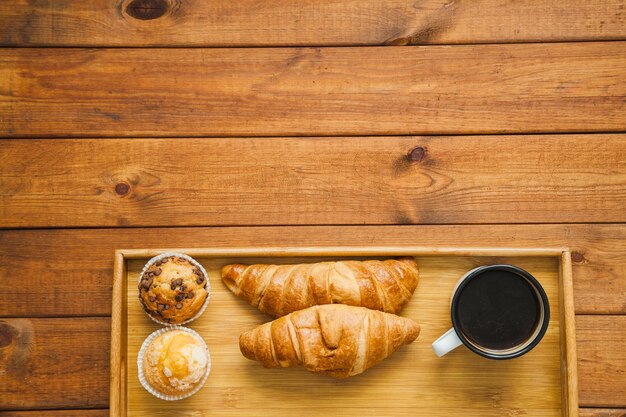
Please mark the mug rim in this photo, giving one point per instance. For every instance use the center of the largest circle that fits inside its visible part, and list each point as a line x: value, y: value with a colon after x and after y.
x: 518, y: 271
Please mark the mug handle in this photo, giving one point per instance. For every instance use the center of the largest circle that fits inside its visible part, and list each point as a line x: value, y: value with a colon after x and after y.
x: 446, y: 343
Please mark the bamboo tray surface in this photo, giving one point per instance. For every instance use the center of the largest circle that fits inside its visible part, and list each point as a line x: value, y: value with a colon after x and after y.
x: 413, y: 381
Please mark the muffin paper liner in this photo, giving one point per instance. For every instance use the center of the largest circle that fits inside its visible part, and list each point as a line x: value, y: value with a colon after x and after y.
x: 194, y: 263
x: 142, y: 351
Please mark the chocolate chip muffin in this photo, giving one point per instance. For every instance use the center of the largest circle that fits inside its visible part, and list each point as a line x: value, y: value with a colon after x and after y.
x: 173, y: 289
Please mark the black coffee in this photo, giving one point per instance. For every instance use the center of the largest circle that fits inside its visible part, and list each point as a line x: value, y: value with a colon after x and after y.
x: 498, y: 310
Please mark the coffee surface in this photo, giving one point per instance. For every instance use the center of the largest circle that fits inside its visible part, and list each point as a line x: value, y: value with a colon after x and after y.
x: 498, y: 310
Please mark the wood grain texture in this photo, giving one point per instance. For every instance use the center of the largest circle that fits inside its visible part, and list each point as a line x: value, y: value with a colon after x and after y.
x: 301, y: 22
x: 584, y: 412
x: 525, y: 88
x: 458, y: 384
x: 601, y: 360
x: 259, y: 181
x: 54, y: 363
x: 602, y: 412
x: 78, y: 262
x: 56, y: 413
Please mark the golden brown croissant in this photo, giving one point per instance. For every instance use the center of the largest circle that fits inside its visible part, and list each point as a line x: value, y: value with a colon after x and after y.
x: 337, y: 340
x: 281, y: 289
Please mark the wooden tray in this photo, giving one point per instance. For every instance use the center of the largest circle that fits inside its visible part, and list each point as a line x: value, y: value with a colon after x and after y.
x: 411, y: 382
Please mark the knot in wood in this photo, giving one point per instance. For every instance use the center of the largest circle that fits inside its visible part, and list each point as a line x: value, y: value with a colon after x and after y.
x: 6, y: 335
x: 122, y: 188
x: 147, y: 9
x: 577, y: 257
x: 417, y: 154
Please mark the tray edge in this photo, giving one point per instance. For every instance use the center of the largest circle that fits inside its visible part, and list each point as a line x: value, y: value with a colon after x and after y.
x: 569, y: 361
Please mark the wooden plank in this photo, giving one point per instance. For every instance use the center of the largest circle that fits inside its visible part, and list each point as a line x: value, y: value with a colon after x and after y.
x: 301, y: 22
x: 602, y: 412
x: 54, y: 363
x: 584, y: 412
x: 78, y: 262
x: 56, y: 413
x: 601, y: 360
x: 524, y: 88
x: 43, y: 367
x: 259, y: 181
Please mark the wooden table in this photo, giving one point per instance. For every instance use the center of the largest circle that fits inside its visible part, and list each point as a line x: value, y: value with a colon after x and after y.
x: 175, y: 123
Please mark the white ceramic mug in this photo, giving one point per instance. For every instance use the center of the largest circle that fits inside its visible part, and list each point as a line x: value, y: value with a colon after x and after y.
x: 455, y: 337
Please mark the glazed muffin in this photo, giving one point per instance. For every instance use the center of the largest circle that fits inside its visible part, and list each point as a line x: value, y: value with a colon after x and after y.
x: 173, y: 363
x: 173, y: 289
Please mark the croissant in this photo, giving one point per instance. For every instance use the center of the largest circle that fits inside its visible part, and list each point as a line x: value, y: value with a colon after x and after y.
x: 281, y: 289
x: 337, y: 340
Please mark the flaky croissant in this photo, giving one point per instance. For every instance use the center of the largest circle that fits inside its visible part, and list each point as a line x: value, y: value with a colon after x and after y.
x: 337, y: 340
x: 281, y: 289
